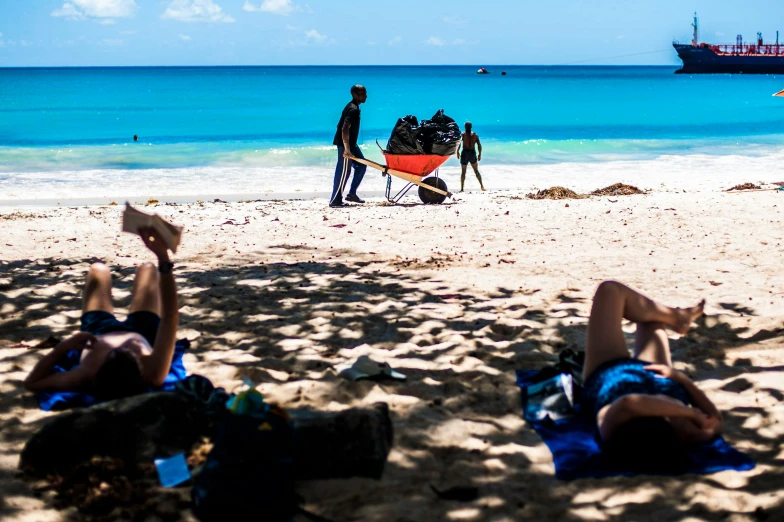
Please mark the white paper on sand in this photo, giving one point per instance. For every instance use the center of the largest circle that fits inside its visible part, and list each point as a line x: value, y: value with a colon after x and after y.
x: 552, y: 398
x: 134, y: 219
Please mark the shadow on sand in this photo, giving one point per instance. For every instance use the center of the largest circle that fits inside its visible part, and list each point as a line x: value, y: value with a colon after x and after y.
x: 287, y: 325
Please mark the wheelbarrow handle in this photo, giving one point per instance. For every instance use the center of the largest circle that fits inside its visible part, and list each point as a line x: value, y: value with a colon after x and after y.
x: 411, y: 178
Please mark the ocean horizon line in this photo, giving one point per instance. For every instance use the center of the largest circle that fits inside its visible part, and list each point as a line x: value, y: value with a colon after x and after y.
x: 345, y: 66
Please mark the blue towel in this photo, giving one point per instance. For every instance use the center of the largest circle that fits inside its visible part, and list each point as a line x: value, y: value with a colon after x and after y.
x: 577, y: 455
x: 56, y: 401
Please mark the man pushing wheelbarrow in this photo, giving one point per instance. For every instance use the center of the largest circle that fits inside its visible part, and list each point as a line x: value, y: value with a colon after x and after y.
x: 415, y: 151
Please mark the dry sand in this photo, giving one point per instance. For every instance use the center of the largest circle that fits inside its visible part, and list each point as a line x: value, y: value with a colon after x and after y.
x: 457, y: 297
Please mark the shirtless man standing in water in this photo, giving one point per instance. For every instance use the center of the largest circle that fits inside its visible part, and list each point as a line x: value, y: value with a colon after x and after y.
x: 470, y: 143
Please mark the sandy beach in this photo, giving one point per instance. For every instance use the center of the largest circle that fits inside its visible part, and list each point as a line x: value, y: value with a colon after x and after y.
x: 456, y: 297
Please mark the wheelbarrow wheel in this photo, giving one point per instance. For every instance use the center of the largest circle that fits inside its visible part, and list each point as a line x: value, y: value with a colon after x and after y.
x: 429, y: 197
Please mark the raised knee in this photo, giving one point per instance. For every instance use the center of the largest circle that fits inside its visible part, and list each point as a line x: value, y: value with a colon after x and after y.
x: 146, y: 268
x: 99, y: 270
x: 607, y: 287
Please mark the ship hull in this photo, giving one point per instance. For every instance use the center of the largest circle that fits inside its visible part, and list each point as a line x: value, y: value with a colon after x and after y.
x: 704, y: 60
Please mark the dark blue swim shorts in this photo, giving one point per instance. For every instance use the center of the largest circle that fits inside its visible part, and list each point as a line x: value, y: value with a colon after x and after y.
x: 99, y: 322
x: 467, y: 156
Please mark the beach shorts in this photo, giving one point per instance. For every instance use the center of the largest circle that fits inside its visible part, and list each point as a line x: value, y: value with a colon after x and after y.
x: 99, y: 322
x: 468, y: 156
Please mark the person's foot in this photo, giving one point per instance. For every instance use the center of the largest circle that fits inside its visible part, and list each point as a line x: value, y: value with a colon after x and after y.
x: 354, y: 198
x: 685, y: 316
x: 337, y: 204
x: 484, y: 189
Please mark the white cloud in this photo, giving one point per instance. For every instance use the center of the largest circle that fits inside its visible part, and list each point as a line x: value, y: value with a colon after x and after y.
x: 1, y: 35
x: 81, y: 9
x: 106, y: 21
x: 196, y: 11
x: 185, y: 38
x: 309, y: 37
x: 24, y: 43
x: 278, y: 7
x: 69, y: 11
x: 396, y: 40
x: 315, y: 37
x: 434, y: 40
x: 459, y: 41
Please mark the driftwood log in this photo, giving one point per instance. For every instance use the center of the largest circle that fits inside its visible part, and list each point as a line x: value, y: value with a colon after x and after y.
x: 350, y: 443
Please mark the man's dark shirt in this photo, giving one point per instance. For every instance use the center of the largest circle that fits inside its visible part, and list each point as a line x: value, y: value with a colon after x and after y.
x: 350, y: 113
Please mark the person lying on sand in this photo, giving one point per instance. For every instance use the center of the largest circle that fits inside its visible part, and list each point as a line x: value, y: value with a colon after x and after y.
x: 119, y: 358
x: 646, y: 412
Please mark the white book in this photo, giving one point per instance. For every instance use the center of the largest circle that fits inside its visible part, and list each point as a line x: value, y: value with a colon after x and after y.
x: 134, y: 219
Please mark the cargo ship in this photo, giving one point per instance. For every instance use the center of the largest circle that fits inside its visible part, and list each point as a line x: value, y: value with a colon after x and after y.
x: 745, y: 58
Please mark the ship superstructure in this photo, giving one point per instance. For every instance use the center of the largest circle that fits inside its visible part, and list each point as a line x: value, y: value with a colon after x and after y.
x: 747, y: 58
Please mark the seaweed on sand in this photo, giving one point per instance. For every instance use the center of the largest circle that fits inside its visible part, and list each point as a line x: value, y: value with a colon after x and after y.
x: 556, y: 193
x: 618, y: 189
x: 745, y: 186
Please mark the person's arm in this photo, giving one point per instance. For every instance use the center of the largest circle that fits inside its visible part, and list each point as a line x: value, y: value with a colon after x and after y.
x: 458, y: 148
x: 635, y: 405
x: 479, y: 147
x: 697, y: 396
x: 689, y: 431
x: 157, y: 365
x: 41, y: 377
x: 345, y: 135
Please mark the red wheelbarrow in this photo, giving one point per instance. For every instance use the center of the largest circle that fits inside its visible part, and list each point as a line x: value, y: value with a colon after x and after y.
x: 415, y: 169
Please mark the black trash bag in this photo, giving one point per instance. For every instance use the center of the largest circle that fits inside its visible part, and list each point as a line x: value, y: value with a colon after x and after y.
x: 439, y: 135
x: 403, y: 139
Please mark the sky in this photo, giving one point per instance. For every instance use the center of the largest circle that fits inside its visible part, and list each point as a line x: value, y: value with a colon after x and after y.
x: 351, y: 32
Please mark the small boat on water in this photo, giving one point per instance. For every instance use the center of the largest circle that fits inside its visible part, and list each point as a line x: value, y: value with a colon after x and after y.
x: 482, y: 70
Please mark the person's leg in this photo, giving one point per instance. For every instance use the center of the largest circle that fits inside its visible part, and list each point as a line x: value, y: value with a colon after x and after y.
x: 614, y: 302
x: 475, y: 166
x: 462, y: 176
x: 359, y: 170
x: 651, y: 344
x: 341, y: 174
x: 146, y: 294
x: 97, y: 295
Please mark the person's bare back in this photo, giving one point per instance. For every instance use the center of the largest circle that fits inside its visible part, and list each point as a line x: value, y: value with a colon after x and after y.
x: 470, y: 139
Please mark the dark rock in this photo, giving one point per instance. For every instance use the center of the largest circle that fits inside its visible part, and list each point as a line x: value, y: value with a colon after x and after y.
x: 135, y: 429
x: 139, y: 429
x: 349, y: 443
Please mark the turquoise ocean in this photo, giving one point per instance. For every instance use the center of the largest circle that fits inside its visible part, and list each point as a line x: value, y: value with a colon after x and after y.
x: 67, y: 133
